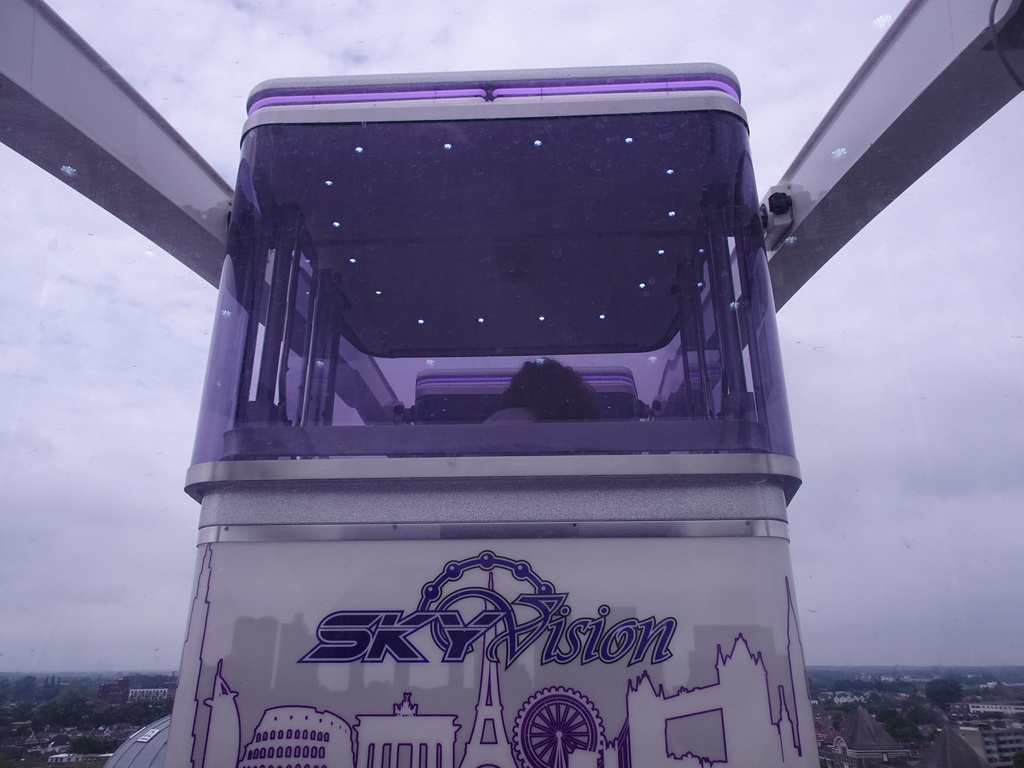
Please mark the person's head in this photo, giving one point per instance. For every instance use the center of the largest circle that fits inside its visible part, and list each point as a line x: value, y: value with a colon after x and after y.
x: 554, y: 392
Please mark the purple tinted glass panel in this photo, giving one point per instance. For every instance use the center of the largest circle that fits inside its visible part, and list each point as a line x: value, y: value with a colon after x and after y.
x: 348, y: 98
x: 386, y: 280
x: 556, y: 90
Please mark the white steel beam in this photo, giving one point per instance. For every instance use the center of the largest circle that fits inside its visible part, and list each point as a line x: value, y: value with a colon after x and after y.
x: 932, y: 80
x: 65, y: 109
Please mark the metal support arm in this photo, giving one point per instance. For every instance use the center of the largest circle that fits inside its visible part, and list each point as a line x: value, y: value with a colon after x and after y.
x: 65, y: 109
x: 934, y: 78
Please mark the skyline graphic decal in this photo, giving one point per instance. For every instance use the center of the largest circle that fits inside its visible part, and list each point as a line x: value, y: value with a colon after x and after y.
x: 529, y: 703
x: 731, y: 722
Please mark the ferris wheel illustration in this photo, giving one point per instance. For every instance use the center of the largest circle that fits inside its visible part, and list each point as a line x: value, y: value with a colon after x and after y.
x: 444, y: 593
x: 554, y: 723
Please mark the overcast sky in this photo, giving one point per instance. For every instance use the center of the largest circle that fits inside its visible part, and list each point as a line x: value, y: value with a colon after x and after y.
x: 904, y: 356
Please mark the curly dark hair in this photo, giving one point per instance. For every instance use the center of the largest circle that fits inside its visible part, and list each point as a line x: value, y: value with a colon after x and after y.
x: 553, y: 391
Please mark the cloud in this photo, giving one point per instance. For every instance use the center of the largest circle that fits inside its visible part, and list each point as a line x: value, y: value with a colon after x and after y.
x: 904, y: 356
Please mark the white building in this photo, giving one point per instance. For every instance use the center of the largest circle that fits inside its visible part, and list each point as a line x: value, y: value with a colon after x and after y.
x: 1000, y: 743
x: 148, y: 694
x: 993, y: 708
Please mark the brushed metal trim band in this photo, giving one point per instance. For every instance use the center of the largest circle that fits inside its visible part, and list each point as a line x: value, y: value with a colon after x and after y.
x: 486, y: 531
x: 786, y: 468
x: 261, y: 470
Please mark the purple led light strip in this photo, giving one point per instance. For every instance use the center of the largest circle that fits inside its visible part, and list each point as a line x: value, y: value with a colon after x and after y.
x: 438, y: 379
x: 431, y: 379
x: 347, y: 98
x: 681, y: 85
x: 542, y: 90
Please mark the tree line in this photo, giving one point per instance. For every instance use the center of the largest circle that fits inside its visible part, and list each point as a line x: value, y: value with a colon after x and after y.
x: 71, y: 710
x: 31, y: 704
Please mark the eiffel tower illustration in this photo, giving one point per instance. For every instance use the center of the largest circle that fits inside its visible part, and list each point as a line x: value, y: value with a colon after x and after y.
x: 488, y: 743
